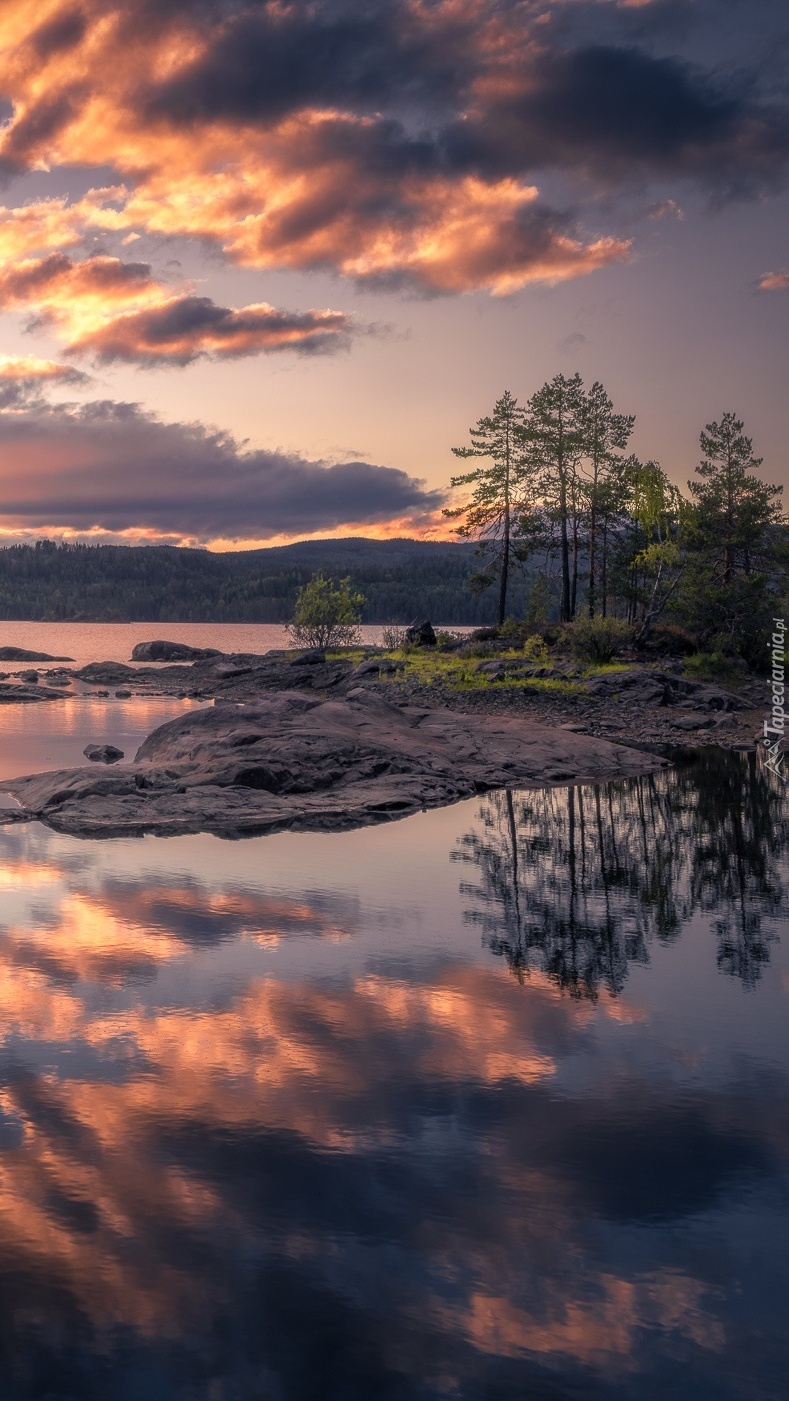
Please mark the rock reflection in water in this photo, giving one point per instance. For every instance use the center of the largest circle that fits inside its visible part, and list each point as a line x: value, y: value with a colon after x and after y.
x: 578, y: 882
x: 272, y: 1125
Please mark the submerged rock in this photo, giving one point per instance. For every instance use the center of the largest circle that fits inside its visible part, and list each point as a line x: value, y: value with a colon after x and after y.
x: 171, y: 652
x: 293, y: 760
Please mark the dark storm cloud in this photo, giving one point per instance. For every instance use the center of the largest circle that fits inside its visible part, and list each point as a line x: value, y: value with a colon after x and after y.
x: 61, y: 33
x: 263, y: 63
x: 616, y: 113
x: 612, y: 110
x: 113, y: 466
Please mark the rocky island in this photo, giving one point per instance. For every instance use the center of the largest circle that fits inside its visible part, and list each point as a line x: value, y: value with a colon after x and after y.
x: 299, y: 761
x: 321, y: 740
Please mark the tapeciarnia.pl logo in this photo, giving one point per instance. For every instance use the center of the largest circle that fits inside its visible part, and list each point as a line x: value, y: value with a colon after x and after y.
x: 775, y: 724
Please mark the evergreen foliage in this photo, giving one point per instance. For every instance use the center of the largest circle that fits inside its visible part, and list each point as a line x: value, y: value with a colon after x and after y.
x: 400, y: 579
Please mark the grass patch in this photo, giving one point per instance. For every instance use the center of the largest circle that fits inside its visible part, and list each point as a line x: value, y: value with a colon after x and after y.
x: 346, y: 654
x: 607, y: 668
x: 712, y: 666
x: 466, y: 674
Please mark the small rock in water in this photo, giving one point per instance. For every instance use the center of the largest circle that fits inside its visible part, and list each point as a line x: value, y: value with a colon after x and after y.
x: 102, y: 753
x: 123, y: 695
x: 30, y: 676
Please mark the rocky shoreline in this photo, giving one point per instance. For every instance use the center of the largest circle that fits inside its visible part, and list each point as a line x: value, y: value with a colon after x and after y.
x: 309, y: 740
x: 295, y: 760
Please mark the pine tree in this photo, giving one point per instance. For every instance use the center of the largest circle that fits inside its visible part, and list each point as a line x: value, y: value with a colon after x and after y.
x: 500, y: 493
x: 555, y: 436
x: 605, y: 434
x: 729, y: 586
x: 734, y: 509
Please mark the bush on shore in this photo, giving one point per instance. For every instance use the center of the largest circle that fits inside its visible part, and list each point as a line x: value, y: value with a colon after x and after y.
x: 597, y: 640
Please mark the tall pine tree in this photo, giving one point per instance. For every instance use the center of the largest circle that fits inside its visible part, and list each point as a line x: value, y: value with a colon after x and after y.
x: 555, y: 436
x: 500, y: 492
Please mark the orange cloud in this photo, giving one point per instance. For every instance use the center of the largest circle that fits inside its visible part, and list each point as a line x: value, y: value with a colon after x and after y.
x: 773, y: 281
x: 154, y: 326
x: 305, y: 182
x: 32, y: 368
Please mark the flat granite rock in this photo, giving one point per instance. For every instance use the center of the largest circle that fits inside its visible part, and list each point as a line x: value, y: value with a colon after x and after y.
x: 20, y: 654
x: 291, y: 760
x: 22, y: 695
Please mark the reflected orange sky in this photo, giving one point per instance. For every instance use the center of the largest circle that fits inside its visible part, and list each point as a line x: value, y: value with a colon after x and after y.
x: 293, y: 1059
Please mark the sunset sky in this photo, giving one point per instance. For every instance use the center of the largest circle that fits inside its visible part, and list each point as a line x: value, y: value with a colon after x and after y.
x: 263, y: 263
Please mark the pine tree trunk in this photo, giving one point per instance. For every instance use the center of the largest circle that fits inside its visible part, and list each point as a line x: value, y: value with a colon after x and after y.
x: 505, y: 557
x: 565, y: 604
x: 505, y: 569
x: 592, y: 558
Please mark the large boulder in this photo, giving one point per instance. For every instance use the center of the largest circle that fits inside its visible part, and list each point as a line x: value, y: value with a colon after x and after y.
x: 172, y: 652
x: 421, y: 634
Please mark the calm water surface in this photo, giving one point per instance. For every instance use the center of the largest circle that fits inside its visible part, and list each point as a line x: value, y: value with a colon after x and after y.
x: 486, y: 1104
x: 113, y: 642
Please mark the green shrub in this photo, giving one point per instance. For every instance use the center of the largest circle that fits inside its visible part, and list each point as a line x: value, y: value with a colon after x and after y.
x: 393, y: 637
x: 535, y: 650
x: 327, y: 613
x: 598, y: 639
x: 669, y: 640
x: 447, y: 641
x: 481, y: 649
x: 714, y: 666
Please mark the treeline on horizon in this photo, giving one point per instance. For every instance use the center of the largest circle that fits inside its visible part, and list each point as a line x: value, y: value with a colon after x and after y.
x: 400, y: 580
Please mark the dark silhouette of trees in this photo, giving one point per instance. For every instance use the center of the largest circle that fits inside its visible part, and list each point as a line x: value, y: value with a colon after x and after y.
x: 578, y: 882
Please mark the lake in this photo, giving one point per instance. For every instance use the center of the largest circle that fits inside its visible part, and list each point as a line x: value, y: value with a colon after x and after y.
x: 113, y: 642
x: 485, y: 1104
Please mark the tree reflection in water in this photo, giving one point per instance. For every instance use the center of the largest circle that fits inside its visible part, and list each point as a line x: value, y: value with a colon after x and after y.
x: 578, y: 881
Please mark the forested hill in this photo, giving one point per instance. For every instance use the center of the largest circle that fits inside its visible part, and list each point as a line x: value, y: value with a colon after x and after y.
x: 400, y: 579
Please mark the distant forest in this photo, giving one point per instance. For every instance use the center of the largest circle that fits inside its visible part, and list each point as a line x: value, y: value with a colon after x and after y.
x: 400, y: 579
